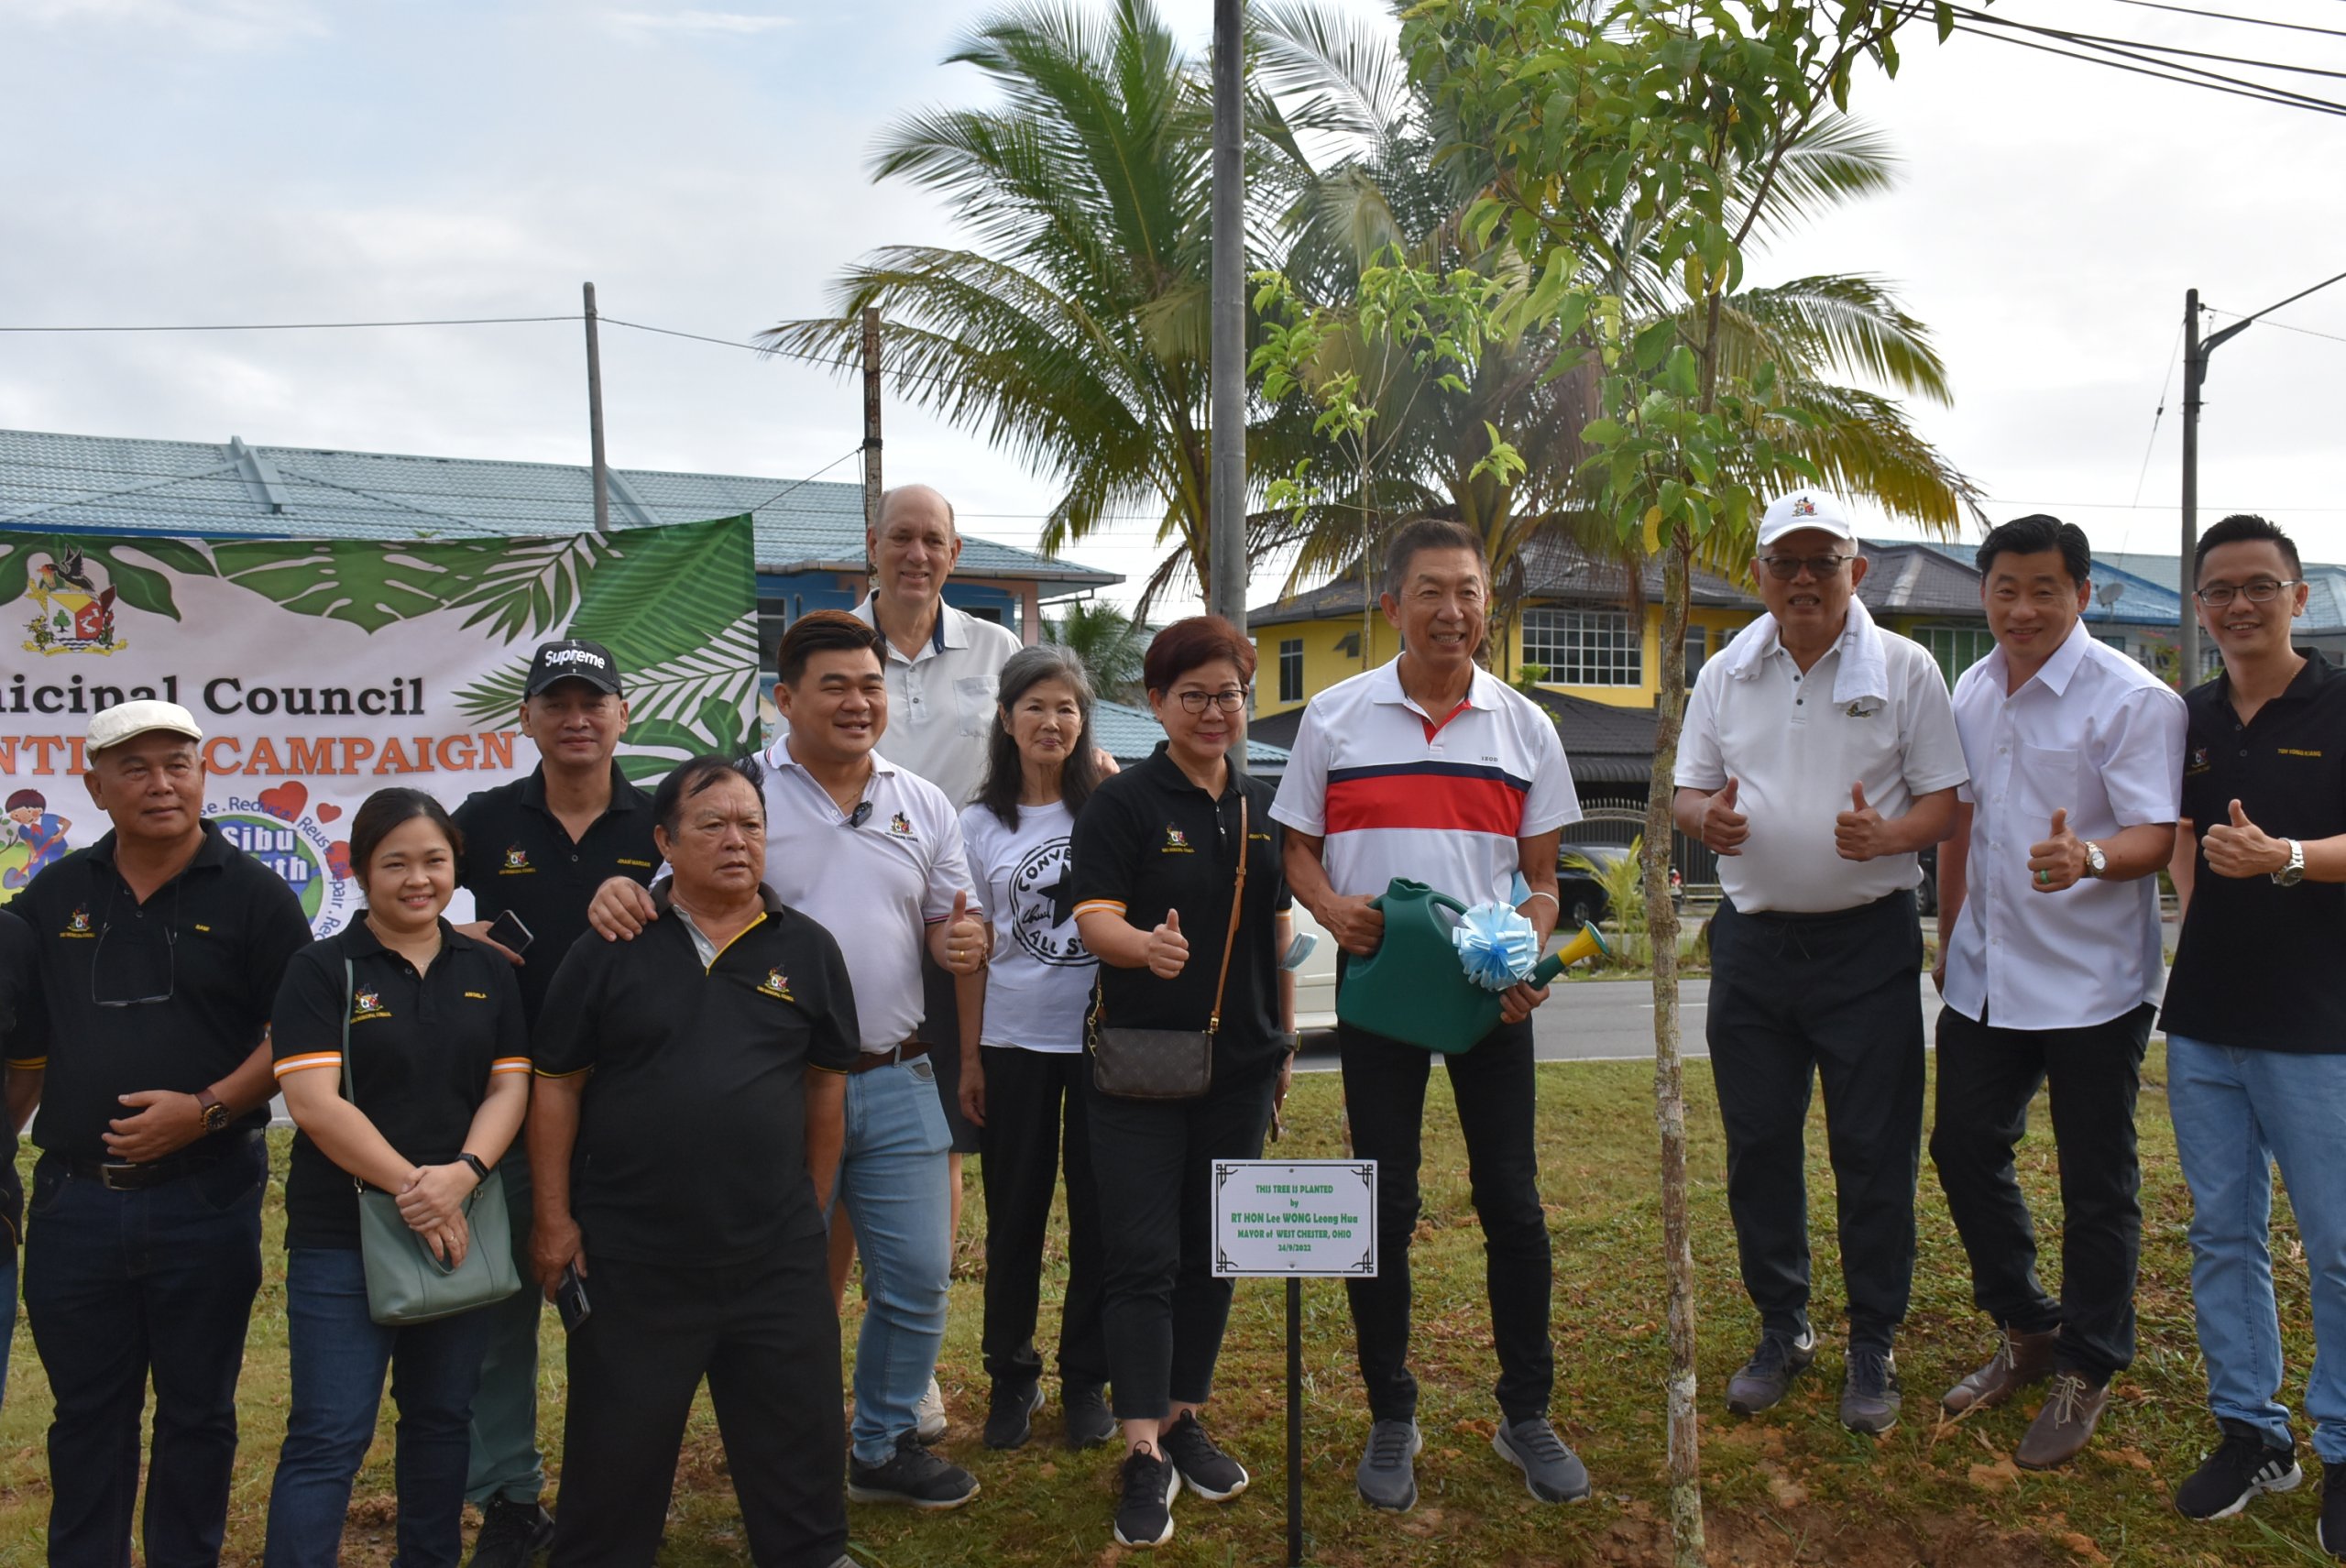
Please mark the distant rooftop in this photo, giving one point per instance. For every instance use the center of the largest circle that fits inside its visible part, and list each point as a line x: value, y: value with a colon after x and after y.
x: 1129, y: 734
x: 112, y: 484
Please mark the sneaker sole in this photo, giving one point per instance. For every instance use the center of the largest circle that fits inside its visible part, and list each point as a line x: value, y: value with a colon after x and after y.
x: 1172, y: 1490
x: 1889, y: 1424
x: 1211, y: 1496
x: 2279, y: 1483
x: 1498, y: 1444
x: 1417, y: 1447
x: 927, y: 1505
x: 1026, y: 1426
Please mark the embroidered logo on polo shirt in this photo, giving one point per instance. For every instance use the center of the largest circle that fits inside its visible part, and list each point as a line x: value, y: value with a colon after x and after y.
x: 2295, y: 752
x: 517, y: 860
x: 2198, y: 759
x: 367, y: 1003
x: 78, y: 924
x: 777, y: 984
x: 899, y: 826
x: 1864, y: 707
x: 643, y: 865
x: 476, y: 995
x: 1176, y: 843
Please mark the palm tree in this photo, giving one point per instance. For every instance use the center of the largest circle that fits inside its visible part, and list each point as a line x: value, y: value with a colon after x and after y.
x: 1111, y: 644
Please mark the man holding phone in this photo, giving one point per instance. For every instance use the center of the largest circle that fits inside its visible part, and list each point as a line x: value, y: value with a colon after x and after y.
x: 534, y: 852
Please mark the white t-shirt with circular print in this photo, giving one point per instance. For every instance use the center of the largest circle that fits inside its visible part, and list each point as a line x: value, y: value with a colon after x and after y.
x: 1038, y: 986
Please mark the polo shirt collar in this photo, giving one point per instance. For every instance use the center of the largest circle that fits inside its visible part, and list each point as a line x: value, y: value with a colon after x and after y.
x: 1170, y: 776
x: 1386, y: 689
x: 2317, y: 670
x: 212, y: 851
x: 623, y: 792
x: 359, y: 940
x: 950, y: 630
x: 664, y: 896
x: 778, y: 756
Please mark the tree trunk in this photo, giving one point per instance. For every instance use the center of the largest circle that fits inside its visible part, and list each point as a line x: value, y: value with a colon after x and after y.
x: 1669, y: 1078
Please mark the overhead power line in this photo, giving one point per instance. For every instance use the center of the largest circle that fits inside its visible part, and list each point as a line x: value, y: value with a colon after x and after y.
x: 2182, y: 75
x: 300, y: 326
x: 2231, y: 17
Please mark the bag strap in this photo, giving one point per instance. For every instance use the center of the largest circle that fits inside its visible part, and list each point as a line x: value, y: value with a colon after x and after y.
x: 349, y: 993
x: 1229, y: 936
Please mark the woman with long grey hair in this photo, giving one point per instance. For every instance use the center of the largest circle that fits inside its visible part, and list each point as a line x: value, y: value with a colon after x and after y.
x: 1019, y: 1083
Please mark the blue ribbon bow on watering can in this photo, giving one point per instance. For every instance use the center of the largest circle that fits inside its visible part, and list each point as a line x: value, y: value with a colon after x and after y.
x: 1497, y: 946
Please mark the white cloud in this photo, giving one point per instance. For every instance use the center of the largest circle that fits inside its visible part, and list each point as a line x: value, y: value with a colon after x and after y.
x: 722, y: 24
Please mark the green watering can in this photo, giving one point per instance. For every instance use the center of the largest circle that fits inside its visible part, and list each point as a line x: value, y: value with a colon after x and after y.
x: 1414, y: 989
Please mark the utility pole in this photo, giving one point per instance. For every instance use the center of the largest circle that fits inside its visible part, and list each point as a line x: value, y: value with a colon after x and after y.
x: 1226, y: 527
x: 595, y: 418
x: 2195, y: 375
x: 870, y: 434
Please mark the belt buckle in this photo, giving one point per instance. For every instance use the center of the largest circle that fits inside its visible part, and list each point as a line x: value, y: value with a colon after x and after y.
x: 111, y: 1175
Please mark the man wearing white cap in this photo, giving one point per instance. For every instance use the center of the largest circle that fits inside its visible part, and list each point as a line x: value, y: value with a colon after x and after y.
x: 159, y: 949
x: 1820, y: 756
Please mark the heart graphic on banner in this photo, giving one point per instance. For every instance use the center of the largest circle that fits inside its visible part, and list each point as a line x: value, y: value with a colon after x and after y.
x: 285, y: 802
x: 339, y: 860
x: 328, y: 811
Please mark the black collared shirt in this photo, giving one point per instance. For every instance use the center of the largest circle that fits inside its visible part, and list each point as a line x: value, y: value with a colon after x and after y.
x: 692, y: 1133
x: 209, y: 945
x: 2255, y: 967
x: 1149, y: 841
x: 21, y: 1034
x: 422, y: 1049
x: 518, y: 856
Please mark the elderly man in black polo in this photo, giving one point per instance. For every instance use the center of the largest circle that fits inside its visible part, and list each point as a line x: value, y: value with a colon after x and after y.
x: 690, y: 1107
x: 159, y: 949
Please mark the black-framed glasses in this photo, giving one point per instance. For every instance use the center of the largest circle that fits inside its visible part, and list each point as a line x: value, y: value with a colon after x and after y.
x: 1784, y: 568
x: 131, y: 977
x: 861, y: 815
x: 1228, y: 701
x: 2259, y: 590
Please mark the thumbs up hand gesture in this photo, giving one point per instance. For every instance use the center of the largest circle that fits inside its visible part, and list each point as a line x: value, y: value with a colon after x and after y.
x: 965, y: 939
x: 1724, y: 828
x: 2057, y: 861
x: 1860, y: 833
x: 2239, y: 847
x: 1168, y: 950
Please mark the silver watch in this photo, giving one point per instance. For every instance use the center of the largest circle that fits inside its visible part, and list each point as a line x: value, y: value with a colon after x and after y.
x: 2096, y: 863
x: 2295, y: 872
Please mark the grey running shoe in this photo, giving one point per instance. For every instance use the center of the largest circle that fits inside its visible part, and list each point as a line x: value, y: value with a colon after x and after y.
x: 1869, y: 1396
x: 1205, y: 1469
x: 1386, y: 1477
x: 1553, y: 1472
x: 2243, y: 1464
x: 1768, y: 1376
x: 1145, y: 1511
x: 913, y: 1476
x: 1007, y: 1420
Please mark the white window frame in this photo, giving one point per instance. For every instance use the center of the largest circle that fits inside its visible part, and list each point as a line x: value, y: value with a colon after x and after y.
x: 1585, y: 647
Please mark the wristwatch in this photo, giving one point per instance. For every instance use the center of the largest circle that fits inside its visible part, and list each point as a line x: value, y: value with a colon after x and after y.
x: 215, y: 1114
x: 2295, y: 872
x: 2096, y: 863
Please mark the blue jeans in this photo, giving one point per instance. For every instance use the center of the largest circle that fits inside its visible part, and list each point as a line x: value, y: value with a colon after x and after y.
x: 893, y: 1182
x: 2237, y: 1113
x: 338, y: 1355
x: 120, y: 1286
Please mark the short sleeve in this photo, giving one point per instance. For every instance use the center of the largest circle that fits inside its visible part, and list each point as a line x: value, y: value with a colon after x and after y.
x: 1932, y: 746
x: 512, y: 1024
x: 469, y: 820
x: 1700, y: 763
x: 838, y: 1042
x: 278, y: 931
x: 2142, y: 764
x: 1551, y: 802
x: 948, y: 874
x: 305, y: 1020
x: 24, y: 1022
x: 1104, y: 852
x: 567, y: 1040
x: 1302, y: 801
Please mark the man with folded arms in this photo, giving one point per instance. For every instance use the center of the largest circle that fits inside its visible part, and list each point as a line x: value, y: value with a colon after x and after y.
x: 2050, y: 965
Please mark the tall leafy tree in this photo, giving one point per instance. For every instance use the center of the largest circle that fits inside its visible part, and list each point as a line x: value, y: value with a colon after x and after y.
x: 1111, y: 644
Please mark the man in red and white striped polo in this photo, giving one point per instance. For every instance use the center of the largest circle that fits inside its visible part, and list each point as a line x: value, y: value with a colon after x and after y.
x: 1433, y: 769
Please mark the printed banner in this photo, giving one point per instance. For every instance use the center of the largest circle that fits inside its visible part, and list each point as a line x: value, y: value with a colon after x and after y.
x: 324, y: 669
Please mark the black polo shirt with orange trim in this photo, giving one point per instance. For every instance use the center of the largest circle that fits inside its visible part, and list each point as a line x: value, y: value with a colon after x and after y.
x: 20, y: 1036
x: 192, y: 973
x: 692, y: 1132
x: 422, y: 1049
x: 2254, y: 966
x: 518, y: 856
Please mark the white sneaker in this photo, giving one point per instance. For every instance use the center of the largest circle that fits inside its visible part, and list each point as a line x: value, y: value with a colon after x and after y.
x: 928, y: 1415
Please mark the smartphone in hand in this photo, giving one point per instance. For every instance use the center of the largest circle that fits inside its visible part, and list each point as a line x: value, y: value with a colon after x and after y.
x: 570, y: 1299
x: 508, y: 931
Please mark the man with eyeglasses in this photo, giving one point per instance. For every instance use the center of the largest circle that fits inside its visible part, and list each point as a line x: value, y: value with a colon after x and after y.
x: 1433, y: 769
x: 2256, y: 1020
x: 158, y: 950
x: 1820, y: 756
x: 873, y: 854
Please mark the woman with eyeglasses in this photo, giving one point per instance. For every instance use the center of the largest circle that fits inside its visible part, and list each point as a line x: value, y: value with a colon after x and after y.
x: 1027, y: 1060
x: 1158, y: 854
x: 403, y: 1059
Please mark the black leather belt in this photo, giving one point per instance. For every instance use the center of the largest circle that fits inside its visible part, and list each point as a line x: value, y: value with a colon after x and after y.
x: 911, y: 1050
x: 124, y: 1176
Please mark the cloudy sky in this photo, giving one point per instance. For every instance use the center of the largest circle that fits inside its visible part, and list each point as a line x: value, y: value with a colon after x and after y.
x: 283, y: 160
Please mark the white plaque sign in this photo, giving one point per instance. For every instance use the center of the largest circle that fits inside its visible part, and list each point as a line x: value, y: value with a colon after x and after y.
x: 1294, y: 1218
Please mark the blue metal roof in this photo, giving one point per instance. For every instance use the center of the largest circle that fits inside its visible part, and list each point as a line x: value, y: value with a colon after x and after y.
x: 94, y: 483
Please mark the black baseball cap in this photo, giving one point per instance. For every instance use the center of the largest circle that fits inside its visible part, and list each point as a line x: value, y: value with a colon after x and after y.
x: 572, y: 659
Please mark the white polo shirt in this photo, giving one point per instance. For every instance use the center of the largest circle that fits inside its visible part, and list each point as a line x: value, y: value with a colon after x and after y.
x: 877, y: 888
x: 2098, y: 736
x: 941, y: 701
x: 1442, y: 799
x: 1795, y: 753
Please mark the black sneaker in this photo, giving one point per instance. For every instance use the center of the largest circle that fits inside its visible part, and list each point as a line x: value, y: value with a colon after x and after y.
x: 913, y: 1476
x: 1869, y: 1396
x: 2243, y: 1464
x: 511, y: 1533
x: 1768, y: 1376
x: 1089, y: 1424
x: 1007, y: 1422
x: 1145, y: 1512
x: 1205, y: 1469
x: 2331, y: 1526
x: 1553, y: 1472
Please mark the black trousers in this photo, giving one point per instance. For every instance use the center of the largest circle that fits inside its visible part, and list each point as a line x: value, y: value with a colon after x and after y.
x: 1036, y: 1126
x: 1795, y: 998
x: 767, y: 1338
x: 940, y: 1030
x: 1986, y: 1078
x: 1165, y: 1312
x: 1385, y: 1099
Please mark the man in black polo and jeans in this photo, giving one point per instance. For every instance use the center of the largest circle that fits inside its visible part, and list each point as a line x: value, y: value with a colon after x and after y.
x: 159, y: 949
x: 538, y: 848
x: 690, y: 1108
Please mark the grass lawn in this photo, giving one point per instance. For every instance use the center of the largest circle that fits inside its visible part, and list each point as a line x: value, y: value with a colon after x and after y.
x: 1790, y: 1487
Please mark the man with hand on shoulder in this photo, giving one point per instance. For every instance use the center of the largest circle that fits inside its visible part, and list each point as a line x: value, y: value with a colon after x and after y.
x: 159, y: 950
x: 1820, y: 756
x: 2051, y: 964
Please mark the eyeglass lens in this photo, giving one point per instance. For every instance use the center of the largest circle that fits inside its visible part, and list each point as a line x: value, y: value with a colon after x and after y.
x: 1784, y: 568
x: 129, y: 967
x: 2263, y: 590
x: 1228, y: 701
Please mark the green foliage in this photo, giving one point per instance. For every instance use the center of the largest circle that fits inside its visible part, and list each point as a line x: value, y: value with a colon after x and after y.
x: 1111, y: 644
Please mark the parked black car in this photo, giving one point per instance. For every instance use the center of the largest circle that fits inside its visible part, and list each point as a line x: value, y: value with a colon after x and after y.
x: 1580, y: 893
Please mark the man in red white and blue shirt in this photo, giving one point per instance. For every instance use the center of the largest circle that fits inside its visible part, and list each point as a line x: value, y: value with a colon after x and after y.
x: 1433, y: 769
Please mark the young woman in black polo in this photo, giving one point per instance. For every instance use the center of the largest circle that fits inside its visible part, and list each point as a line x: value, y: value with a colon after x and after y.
x: 1155, y: 857
x: 440, y: 1071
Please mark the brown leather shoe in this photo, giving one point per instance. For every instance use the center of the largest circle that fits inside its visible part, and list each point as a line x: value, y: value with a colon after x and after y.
x: 2020, y: 1360
x: 2064, y: 1427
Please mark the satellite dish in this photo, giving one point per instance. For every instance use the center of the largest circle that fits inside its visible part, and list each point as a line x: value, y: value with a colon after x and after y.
x: 2109, y: 592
